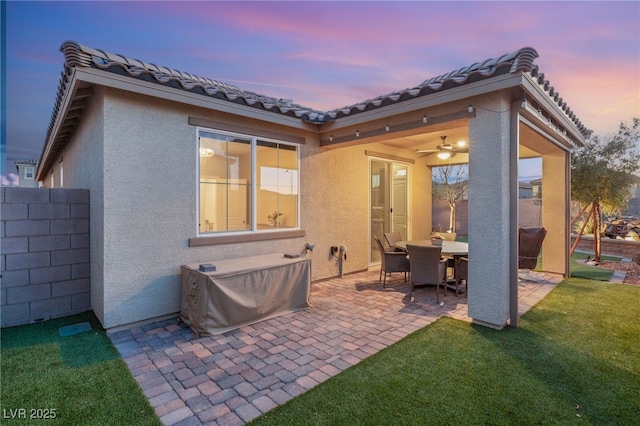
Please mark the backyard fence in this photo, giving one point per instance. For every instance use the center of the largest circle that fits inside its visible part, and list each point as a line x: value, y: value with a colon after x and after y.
x: 529, y: 215
x: 44, y: 253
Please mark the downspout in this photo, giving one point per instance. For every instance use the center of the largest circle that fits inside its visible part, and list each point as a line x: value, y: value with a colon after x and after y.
x: 567, y: 215
x: 513, y: 212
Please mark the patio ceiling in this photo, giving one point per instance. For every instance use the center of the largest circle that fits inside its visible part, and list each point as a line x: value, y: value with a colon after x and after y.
x: 531, y: 146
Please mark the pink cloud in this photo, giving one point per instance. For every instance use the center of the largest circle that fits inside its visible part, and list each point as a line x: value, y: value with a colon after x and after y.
x: 10, y: 180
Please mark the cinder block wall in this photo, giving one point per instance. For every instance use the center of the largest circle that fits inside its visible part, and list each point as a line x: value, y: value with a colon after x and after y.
x: 44, y: 253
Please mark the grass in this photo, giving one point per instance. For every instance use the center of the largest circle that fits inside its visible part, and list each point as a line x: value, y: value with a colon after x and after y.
x: 580, y: 270
x: 78, y: 379
x: 575, y: 359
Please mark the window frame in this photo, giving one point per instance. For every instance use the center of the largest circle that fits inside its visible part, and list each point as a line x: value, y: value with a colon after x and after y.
x: 30, y: 172
x: 205, y: 238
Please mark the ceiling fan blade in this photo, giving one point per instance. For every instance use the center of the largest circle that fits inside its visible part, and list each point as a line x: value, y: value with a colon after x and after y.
x: 423, y: 151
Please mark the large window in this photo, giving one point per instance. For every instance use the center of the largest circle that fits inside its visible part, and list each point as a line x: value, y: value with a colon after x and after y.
x: 246, y: 183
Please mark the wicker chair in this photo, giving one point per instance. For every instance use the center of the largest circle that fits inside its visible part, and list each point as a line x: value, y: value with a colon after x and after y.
x: 392, y: 238
x: 447, y: 236
x: 461, y: 272
x: 427, y: 267
x: 392, y: 261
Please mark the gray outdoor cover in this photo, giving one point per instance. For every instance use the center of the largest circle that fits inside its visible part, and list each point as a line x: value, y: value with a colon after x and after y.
x: 243, y: 291
x: 529, y: 245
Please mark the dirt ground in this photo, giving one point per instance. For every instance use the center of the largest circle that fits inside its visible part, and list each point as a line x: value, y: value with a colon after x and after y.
x: 632, y: 269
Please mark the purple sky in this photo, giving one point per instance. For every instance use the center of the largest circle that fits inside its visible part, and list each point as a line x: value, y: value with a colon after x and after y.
x: 326, y: 55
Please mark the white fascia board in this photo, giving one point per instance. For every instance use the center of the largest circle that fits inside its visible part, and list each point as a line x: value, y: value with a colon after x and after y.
x: 158, y: 90
x: 466, y: 91
x: 544, y: 131
x: 533, y: 89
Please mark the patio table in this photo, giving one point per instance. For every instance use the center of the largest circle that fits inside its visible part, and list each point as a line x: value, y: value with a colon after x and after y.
x: 449, y: 248
x: 452, y: 249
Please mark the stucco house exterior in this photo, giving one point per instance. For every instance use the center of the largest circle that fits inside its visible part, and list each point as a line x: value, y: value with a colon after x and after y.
x: 27, y: 173
x: 184, y: 169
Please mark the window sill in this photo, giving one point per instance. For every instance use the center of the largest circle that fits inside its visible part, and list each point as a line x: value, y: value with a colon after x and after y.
x: 212, y: 240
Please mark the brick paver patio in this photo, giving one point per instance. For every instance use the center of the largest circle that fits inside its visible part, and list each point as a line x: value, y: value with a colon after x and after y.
x: 232, y: 378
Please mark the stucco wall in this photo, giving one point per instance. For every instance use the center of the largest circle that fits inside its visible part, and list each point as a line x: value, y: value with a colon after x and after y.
x: 149, y: 188
x: 83, y: 162
x: 138, y: 157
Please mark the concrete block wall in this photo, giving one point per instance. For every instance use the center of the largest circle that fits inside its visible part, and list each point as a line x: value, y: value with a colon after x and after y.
x: 44, y: 254
x: 624, y: 248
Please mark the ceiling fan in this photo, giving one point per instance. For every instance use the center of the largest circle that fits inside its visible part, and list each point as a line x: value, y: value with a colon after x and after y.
x: 445, y: 150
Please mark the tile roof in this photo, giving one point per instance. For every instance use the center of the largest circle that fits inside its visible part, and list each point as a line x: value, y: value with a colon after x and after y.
x: 522, y: 60
x: 77, y: 55
x: 27, y: 162
x: 519, y: 61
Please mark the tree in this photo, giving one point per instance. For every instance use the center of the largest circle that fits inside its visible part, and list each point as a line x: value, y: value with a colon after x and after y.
x: 602, y: 172
x: 451, y: 183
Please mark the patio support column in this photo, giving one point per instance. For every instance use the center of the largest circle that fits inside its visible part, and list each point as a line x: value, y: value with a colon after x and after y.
x: 556, y: 198
x: 492, y: 145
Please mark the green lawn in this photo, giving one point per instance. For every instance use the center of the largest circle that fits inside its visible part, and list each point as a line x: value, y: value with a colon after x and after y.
x: 580, y: 270
x: 575, y: 359
x: 73, y: 380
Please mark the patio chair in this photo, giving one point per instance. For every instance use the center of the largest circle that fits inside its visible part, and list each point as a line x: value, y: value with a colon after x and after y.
x: 447, y: 236
x: 392, y: 261
x: 392, y: 238
x: 427, y: 267
x: 529, y: 245
x: 461, y: 272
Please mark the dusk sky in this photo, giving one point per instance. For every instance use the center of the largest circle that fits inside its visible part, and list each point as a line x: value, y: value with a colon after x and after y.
x: 325, y: 55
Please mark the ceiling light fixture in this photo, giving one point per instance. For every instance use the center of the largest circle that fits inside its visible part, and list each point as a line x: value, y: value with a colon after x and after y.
x: 207, y: 152
x: 445, y: 150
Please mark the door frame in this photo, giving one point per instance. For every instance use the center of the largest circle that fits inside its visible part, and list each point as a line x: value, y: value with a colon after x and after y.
x: 390, y: 192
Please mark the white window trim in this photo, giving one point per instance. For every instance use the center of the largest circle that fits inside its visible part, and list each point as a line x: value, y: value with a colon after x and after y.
x: 30, y: 172
x: 254, y: 211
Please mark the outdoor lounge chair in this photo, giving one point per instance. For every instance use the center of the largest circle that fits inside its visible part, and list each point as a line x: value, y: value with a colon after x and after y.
x: 392, y: 261
x: 529, y: 245
x: 427, y: 267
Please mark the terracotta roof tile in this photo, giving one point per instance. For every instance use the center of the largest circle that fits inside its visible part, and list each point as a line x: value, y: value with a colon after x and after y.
x: 77, y: 55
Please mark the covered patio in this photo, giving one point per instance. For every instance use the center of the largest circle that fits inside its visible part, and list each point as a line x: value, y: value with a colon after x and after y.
x: 234, y: 377
x: 504, y: 111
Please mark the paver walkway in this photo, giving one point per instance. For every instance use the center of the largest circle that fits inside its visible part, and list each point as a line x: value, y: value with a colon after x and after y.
x: 232, y: 378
